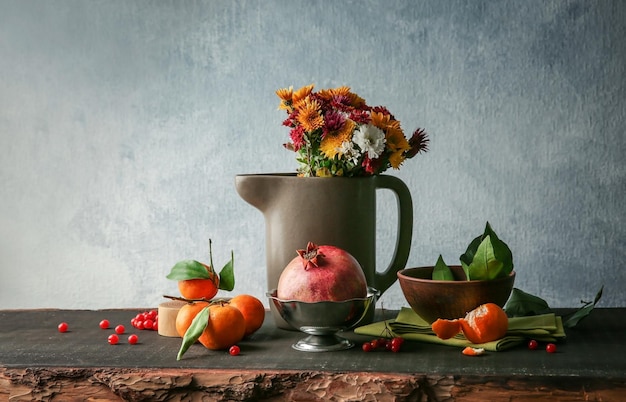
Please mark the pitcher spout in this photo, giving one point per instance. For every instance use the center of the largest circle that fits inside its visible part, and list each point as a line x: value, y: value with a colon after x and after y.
x: 258, y: 190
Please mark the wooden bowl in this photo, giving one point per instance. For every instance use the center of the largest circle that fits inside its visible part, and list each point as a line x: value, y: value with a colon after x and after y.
x: 432, y: 299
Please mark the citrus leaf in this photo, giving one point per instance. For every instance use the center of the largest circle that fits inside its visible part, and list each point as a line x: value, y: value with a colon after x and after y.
x: 487, y: 257
x: 442, y: 272
x: 501, y: 251
x: 197, y: 327
x: 572, y: 320
x: 468, y: 256
x: 484, y: 266
x: 227, y: 274
x: 188, y: 269
x: 522, y: 304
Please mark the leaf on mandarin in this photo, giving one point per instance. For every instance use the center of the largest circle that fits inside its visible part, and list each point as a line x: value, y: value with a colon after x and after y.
x: 188, y: 269
x: 197, y: 327
x: 227, y: 275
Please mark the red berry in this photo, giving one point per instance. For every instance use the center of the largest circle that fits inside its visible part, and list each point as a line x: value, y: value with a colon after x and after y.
x: 148, y: 324
x: 139, y: 324
x: 533, y: 344
x: 397, y: 341
x: 388, y: 345
x: 367, y: 347
x: 63, y: 327
x: 120, y: 329
x: 113, y: 339
x: 374, y: 343
x: 104, y: 324
x: 132, y: 339
x: 395, y: 348
x: 234, y: 350
x: 551, y: 348
x: 152, y: 314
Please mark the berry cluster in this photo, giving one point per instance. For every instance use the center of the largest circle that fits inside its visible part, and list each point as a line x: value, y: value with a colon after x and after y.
x: 147, y: 320
x: 394, y: 344
x: 533, y: 345
x: 114, y: 339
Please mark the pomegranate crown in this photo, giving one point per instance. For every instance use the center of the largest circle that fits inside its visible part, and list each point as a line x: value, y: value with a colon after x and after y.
x: 310, y: 256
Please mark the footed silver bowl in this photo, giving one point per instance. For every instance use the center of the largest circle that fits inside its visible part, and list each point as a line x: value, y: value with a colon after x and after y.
x: 322, y: 320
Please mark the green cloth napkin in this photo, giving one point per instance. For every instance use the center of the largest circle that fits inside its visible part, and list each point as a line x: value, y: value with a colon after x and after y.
x: 409, y: 325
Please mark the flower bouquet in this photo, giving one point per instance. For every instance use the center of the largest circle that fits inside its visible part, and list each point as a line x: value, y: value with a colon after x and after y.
x: 335, y: 133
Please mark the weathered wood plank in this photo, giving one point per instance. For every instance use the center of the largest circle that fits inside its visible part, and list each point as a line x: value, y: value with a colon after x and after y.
x: 68, y: 384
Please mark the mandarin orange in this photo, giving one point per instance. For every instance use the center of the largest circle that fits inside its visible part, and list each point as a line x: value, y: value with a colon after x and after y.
x: 446, y: 329
x: 225, y: 328
x: 186, y: 314
x: 485, y: 323
x: 200, y: 288
x: 252, y: 309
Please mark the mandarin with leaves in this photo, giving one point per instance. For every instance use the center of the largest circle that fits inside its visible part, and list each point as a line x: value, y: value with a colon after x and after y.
x: 199, y: 281
x: 186, y: 314
x: 194, y: 289
x: 217, y: 326
x: 226, y: 326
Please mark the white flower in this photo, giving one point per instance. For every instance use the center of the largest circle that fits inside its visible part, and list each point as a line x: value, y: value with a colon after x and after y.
x: 370, y: 139
x: 350, y: 153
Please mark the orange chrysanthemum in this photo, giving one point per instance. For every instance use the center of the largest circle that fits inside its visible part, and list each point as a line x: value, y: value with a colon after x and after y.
x: 285, y: 95
x: 396, y: 159
x: 301, y: 94
x: 398, y: 145
x: 332, y: 141
x: 384, y: 121
x: 309, y: 115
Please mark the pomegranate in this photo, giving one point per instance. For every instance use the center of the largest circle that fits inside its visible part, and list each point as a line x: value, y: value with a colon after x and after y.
x: 322, y: 273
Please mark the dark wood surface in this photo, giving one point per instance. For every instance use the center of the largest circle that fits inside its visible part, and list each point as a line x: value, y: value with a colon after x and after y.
x: 34, y: 356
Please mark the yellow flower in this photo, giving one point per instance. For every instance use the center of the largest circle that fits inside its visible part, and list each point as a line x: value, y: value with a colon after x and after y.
x: 354, y: 100
x: 332, y: 141
x: 309, y: 115
x: 285, y: 95
x: 301, y: 94
x: 384, y: 121
x: 323, y: 172
x: 398, y: 145
x: 396, y: 159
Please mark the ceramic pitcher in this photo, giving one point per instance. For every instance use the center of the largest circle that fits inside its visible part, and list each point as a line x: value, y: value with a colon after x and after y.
x: 336, y: 211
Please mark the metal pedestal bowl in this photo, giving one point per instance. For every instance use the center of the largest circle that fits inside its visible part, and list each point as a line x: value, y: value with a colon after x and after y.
x: 322, y: 320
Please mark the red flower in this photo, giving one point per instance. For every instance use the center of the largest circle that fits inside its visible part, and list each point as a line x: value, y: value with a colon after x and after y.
x: 297, y: 137
x: 418, y: 142
x: 371, y: 165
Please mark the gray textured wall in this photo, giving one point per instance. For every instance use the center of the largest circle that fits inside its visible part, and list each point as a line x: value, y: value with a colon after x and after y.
x: 123, y: 124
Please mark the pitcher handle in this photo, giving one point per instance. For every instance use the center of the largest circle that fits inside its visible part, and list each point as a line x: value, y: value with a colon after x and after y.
x: 387, y: 277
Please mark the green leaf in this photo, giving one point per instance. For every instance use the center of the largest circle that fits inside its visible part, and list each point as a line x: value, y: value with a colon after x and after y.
x: 468, y: 256
x: 487, y: 257
x: 522, y: 304
x: 484, y: 266
x: 572, y: 320
x: 501, y: 251
x: 188, y: 269
x: 442, y: 272
x: 227, y: 274
x: 197, y: 327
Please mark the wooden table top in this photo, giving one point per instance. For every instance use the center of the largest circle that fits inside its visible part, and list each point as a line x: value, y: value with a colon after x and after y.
x: 594, y: 351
